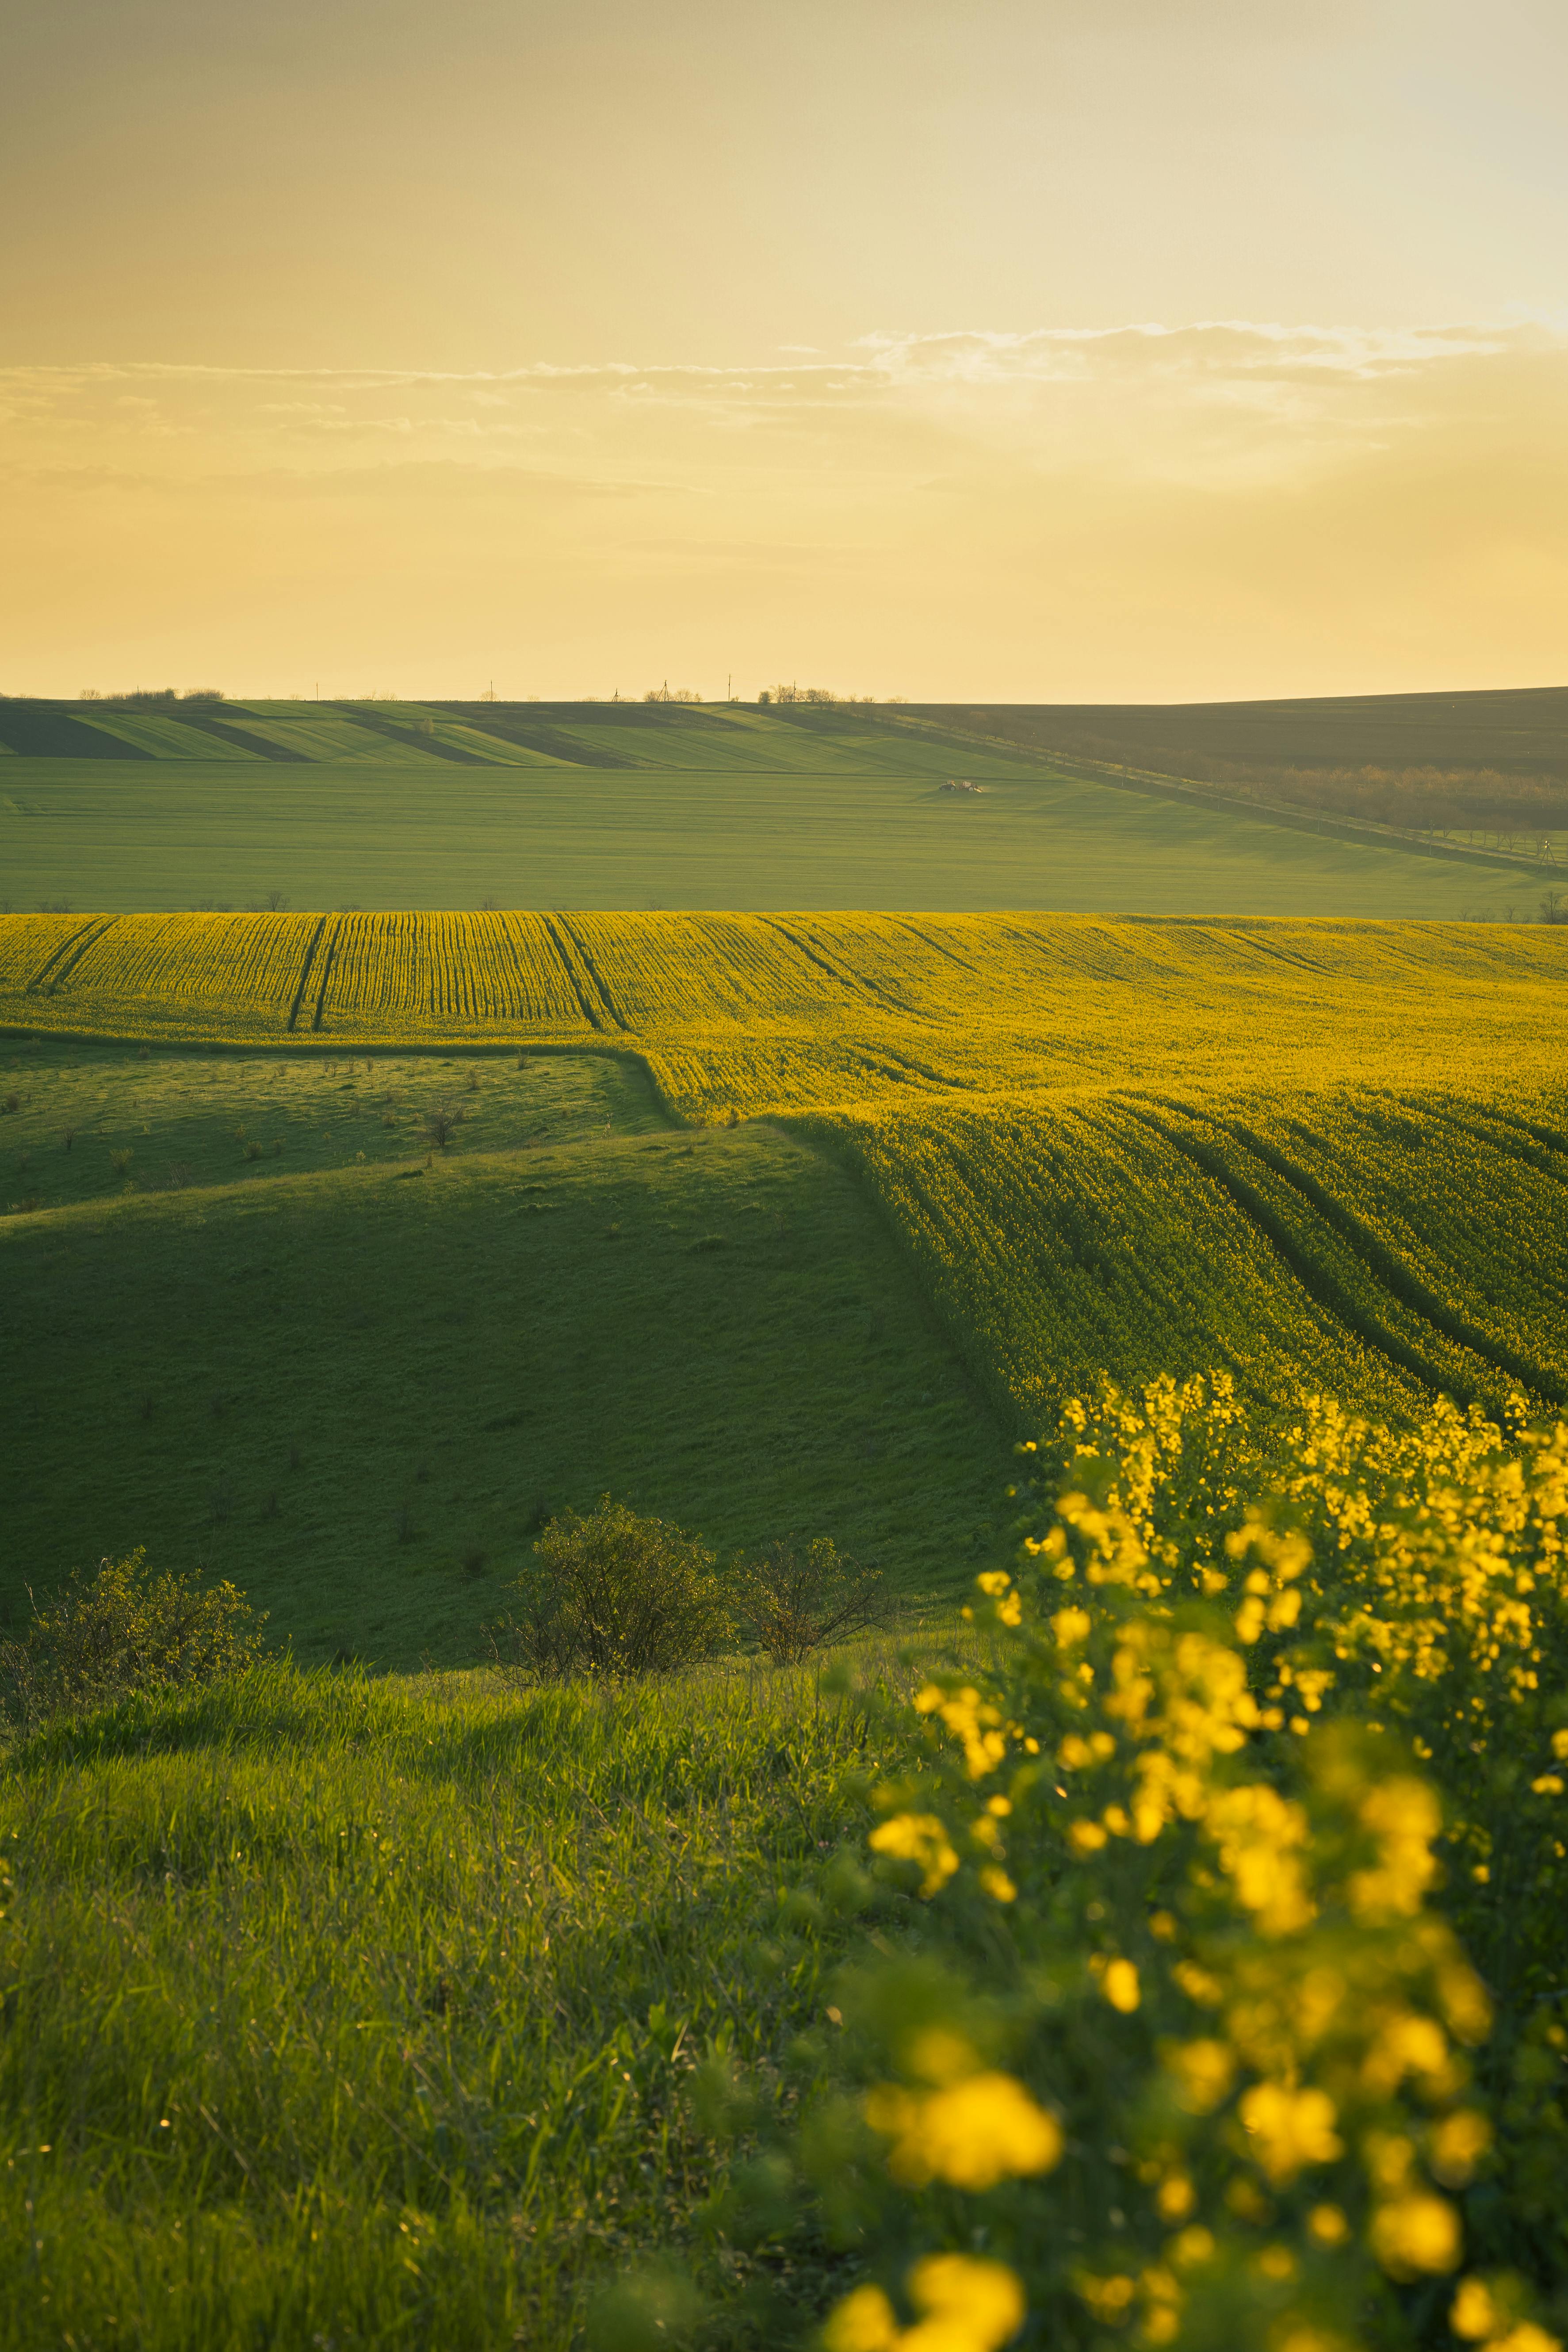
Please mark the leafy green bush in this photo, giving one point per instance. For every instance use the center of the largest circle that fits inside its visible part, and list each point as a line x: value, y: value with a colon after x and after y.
x: 613, y: 1595
x: 121, y: 1630
x: 799, y: 1596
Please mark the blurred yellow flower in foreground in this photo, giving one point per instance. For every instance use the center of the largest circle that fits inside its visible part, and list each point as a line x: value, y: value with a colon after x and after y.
x: 1416, y: 2234
x: 969, y: 2306
x: 1119, y: 1986
x: 972, y: 2134
x: 921, y: 1838
x: 1289, y: 2129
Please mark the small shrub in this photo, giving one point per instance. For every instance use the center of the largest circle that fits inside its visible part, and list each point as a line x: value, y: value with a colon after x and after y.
x: 13, y: 1102
x: 797, y: 1597
x: 473, y: 1082
x: 441, y: 1123
x: 613, y: 1595
x: 253, y: 1149
x: 474, y: 1561
x: 68, y: 1137
x: 121, y: 1630
x: 120, y: 1160
x: 179, y: 1175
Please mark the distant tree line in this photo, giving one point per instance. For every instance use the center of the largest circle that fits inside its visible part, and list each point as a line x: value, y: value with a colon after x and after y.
x: 155, y: 694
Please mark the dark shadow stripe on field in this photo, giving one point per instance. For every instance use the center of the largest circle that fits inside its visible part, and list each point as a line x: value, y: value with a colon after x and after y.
x: 53, y: 735
x: 376, y: 725
x: 305, y: 971
x: 242, y: 739
x: 553, y: 740
x: 327, y: 972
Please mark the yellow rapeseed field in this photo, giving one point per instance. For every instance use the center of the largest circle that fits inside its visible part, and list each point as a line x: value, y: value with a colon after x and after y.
x: 1331, y: 1150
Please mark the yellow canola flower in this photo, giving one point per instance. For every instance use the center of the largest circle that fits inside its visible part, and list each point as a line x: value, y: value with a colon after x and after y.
x: 972, y: 2306
x: 1262, y: 1839
x: 971, y: 1719
x: 969, y: 2306
x: 994, y: 1582
x: 1416, y: 2234
x: 1405, y: 2045
x: 1289, y: 2129
x: 1458, y: 2144
x: 1204, y: 2072
x: 1120, y: 1987
x: 972, y: 2134
x: 919, y: 1838
x: 1404, y: 1817
x: 1475, y: 2313
x: 864, y: 2322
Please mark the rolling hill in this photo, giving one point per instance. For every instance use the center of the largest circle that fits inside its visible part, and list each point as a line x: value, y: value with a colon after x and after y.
x: 131, y: 806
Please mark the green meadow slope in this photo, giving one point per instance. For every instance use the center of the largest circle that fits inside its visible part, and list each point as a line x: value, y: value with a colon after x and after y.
x: 357, y: 1373
x: 602, y: 805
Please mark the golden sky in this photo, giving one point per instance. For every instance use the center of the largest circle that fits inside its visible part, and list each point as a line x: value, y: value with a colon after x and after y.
x: 1083, y: 349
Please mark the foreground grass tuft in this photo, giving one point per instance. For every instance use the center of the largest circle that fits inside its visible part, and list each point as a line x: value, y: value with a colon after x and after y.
x: 362, y: 2011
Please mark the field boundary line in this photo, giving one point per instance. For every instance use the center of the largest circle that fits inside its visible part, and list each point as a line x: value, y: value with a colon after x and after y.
x: 834, y: 1135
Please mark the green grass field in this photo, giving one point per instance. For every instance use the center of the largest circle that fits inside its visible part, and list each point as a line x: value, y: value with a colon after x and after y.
x: 356, y: 1374
x: 647, y: 806
x: 363, y: 2013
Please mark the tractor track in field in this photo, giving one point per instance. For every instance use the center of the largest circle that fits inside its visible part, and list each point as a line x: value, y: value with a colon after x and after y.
x: 305, y: 973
